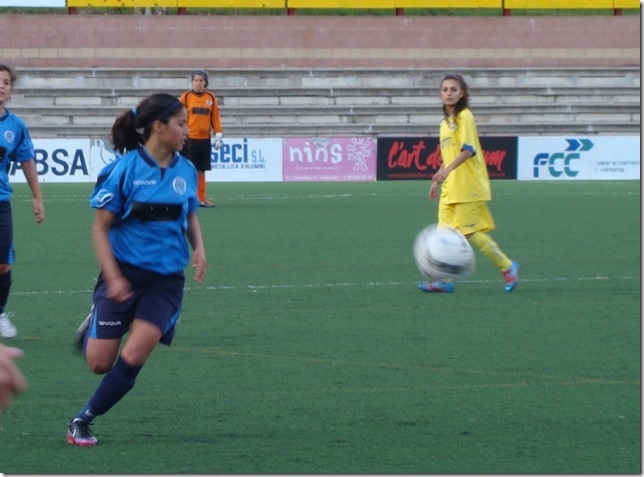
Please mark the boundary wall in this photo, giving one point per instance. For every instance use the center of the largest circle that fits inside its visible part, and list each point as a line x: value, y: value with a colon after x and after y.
x: 291, y: 5
x: 189, y: 41
x: 561, y: 158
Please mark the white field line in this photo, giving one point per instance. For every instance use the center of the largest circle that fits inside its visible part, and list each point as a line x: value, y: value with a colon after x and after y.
x: 334, y: 285
x: 241, y: 197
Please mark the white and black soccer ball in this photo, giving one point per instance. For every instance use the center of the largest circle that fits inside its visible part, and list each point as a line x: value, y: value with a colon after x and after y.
x: 443, y: 252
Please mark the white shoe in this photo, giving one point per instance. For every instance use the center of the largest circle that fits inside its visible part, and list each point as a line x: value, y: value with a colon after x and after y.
x: 7, y: 330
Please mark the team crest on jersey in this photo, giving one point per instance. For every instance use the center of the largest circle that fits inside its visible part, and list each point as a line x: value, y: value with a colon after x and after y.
x: 209, y: 102
x: 451, y: 122
x: 179, y: 185
x: 9, y: 136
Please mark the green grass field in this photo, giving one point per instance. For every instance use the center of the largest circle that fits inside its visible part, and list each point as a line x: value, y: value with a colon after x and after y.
x: 308, y: 348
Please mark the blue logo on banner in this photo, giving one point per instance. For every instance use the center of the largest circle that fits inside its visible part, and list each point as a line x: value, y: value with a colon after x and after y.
x: 561, y: 163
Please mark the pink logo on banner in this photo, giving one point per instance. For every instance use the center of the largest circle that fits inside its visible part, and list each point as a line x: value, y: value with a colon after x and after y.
x: 329, y: 159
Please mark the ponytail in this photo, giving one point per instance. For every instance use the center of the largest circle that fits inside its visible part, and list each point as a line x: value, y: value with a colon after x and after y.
x: 125, y: 137
x: 134, y: 126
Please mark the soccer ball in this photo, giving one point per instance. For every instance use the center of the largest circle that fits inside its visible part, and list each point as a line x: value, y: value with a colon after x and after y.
x: 443, y: 252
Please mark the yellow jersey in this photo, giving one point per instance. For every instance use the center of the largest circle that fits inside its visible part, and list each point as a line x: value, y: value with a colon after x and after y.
x: 469, y: 182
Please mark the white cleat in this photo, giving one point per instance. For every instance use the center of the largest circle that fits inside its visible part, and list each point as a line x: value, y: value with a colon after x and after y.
x: 7, y: 329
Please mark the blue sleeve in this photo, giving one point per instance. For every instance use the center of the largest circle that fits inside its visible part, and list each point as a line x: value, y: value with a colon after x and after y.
x: 193, y: 199
x: 108, y: 192
x: 193, y: 204
x: 25, y: 150
x: 468, y: 131
x: 467, y: 147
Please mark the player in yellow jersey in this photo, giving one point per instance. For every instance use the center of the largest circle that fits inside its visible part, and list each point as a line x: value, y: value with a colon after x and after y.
x: 203, y: 118
x: 464, y: 184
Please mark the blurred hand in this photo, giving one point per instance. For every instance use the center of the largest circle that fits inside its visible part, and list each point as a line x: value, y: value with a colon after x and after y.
x: 118, y: 288
x: 12, y: 380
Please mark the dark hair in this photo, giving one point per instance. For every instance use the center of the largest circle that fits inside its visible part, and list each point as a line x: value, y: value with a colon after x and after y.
x: 12, y: 74
x: 462, y: 103
x: 200, y: 73
x: 133, y: 127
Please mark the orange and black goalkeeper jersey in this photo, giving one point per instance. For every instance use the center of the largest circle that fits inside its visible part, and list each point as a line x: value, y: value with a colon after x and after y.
x: 203, y: 114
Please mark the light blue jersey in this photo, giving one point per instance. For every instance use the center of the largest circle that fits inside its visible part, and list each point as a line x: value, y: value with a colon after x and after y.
x: 151, y: 205
x: 15, y: 145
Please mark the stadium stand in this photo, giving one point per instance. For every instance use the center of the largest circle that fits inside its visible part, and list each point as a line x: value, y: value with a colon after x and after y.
x: 300, y: 102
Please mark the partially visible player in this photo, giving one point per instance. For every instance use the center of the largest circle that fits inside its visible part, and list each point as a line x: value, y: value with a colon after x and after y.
x: 464, y: 183
x: 12, y: 380
x: 15, y: 146
x: 203, y: 118
x: 144, y: 226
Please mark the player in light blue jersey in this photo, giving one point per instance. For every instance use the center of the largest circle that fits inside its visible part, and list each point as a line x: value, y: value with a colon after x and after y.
x: 146, y: 203
x: 15, y: 147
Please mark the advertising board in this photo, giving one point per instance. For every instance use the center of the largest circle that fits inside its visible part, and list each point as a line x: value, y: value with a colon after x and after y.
x: 58, y: 160
x: 247, y: 160
x: 363, y: 159
x: 411, y: 158
x: 329, y: 159
x: 579, y: 158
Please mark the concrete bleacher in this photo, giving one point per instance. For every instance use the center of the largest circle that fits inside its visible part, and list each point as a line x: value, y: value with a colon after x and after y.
x: 82, y: 103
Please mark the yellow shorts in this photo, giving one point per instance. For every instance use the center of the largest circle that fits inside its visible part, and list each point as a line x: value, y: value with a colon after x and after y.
x: 467, y: 217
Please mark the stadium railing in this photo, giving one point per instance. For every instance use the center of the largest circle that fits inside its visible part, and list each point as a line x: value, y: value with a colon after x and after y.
x: 291, y: 6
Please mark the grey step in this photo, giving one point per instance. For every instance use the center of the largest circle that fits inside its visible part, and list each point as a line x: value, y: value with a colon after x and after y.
x: 164, y: 79
x: 295, y: 101
x: 240, y: 113
x: 289, y: 124
x: 127, y: 97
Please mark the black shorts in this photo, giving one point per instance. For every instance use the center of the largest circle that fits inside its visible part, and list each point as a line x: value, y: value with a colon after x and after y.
x: 156, y: 299
x: 199, y: 152
x: 7, y: 253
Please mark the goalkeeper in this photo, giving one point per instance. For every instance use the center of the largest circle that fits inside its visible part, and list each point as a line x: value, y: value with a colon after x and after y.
x: 203, y: 117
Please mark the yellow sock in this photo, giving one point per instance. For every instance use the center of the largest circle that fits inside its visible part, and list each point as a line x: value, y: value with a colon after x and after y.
x: 490, y: 249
